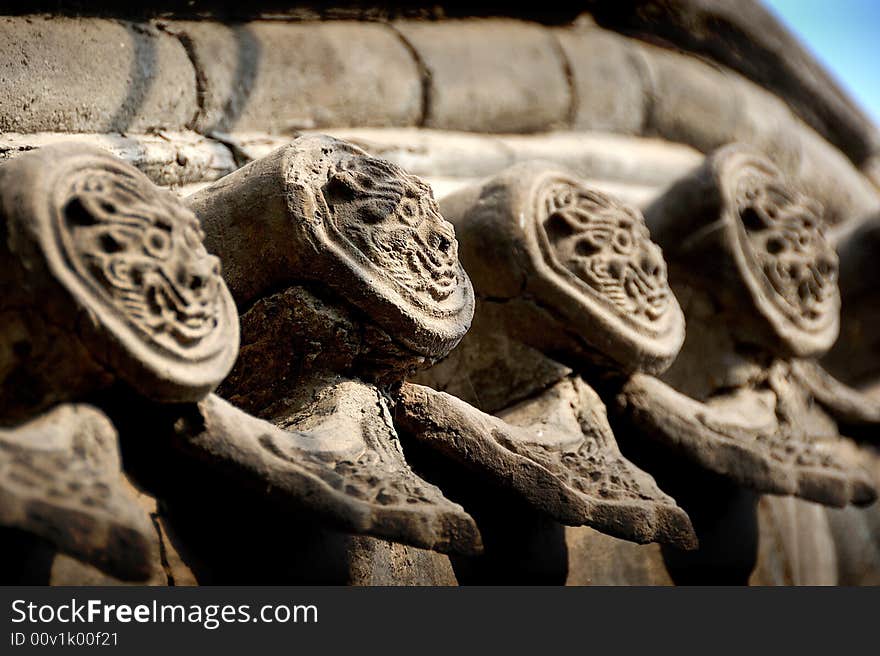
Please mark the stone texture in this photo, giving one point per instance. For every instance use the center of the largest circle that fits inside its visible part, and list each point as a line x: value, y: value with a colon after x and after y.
x: 557, y: 452
x: 855, y: 534
x: 710, y: 359
x: 523, y: 234
x: 489, y: 370
x: 96, y: 251
x: 165, y: 565
x: 634, y: 169
x: 170, y: 566
x: 323, y: 357
x: 431, y: 152
x: 321, y: 211
x: 566, y: 257
x: 759, y: 440
x: 763, y: 241
x: 337, y: 458
x: 871, y: 169
x: 91, y: 75
x: 168, y: 159
x: 62, y: 482
x: 627, y: 160
x: 378, y: 562
x: 370, y: 289
x: 597, y: 559
x: 490, y: 75
x: 607, y: 81
x: 281, y: 77
x: 601, y: 156
x: 749, y: 257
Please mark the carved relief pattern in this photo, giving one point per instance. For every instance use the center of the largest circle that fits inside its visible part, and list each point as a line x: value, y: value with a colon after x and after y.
x: 556, y: 451
x: 606, y: 245
x: 340, y: 457
x: 376, y: 474
x: 142, y: 252
x: 781, y: 443
x: 786, y: 234
x: 803, y: 438
x: 595, y: 466
x: 391, y: 218
x: 769, y: 438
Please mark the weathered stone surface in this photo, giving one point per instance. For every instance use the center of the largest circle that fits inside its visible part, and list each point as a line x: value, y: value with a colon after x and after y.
x: 610, y: 157
x: 597, y: 559
x: 105, y: 280
x: 323, y: 211
x: 334, y: 325
x: 338, y: 457
x: 165, y: 565
x: 94, y: 250
x: 557, y: 452
x: 370, y: 289
x: 871, y: 169
x: 169, y: 566
x: 711, y: 359
x: 428, y: 152
x: 565, y: 272
x: 274, y: 546
x: 293, y: 337
x: 281, y: 77
x: 746, y: 37
x: 759, y: 282
x: 167, y: 158
x: 536, y: 232
x: 763, y: 242
x: 634, y: 169
x: 243, y: 82
x: 762, y: 440
x: 378, y: 562
x: 607, y: 81
x: 488, y: 369
x: 61, y: 481
x: 490, y: 75
x: 92, y: 75
x: 628, y: 160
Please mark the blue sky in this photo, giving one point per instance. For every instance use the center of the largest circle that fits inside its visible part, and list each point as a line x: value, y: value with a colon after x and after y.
x: 845, y: 36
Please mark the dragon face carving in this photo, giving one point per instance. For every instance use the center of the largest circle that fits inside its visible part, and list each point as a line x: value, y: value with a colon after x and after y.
x: 607, y: 247
x: 785, y: 241
x: 391, y: 218
x: 141, y: 252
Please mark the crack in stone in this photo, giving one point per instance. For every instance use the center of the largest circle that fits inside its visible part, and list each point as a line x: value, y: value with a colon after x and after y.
x: 425, y: 77
x: 163, y: 551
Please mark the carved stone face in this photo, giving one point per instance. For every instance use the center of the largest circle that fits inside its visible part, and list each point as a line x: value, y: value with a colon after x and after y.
x: 372, y: 234
x: 606, y: 245
x: 785, y: 235
x: 391, y: 218
x: 142, y: 252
